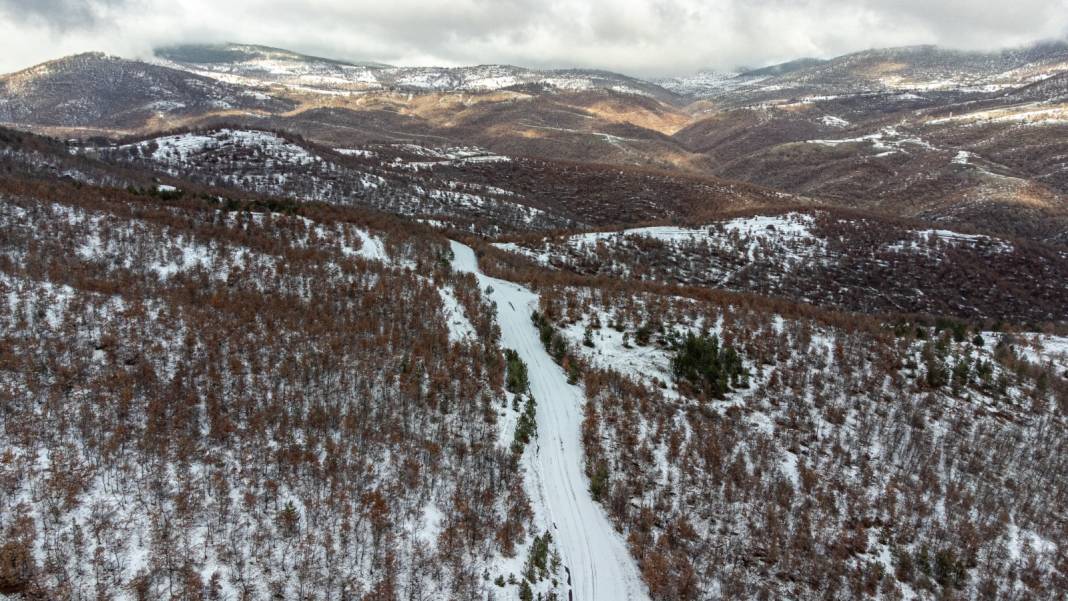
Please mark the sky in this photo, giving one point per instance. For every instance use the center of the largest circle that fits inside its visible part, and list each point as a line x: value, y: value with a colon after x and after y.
x: 645, y: 38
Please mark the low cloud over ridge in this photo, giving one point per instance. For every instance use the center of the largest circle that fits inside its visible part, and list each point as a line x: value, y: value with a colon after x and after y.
x: 638, y: 37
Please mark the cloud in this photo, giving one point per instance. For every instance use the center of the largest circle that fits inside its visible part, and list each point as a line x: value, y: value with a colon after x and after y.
x: 640, y: 37
x: 63, y: 15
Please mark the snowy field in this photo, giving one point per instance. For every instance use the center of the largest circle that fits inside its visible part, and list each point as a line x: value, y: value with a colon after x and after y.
x: 786, y: 228
x: 179, y: 148
x: 791, y: 235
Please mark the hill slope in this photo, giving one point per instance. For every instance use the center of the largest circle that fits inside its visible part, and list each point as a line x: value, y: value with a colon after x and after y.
x: 96, y: 91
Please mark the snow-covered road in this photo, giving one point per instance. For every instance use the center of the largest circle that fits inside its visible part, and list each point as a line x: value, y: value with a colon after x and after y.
x: 600, y: 567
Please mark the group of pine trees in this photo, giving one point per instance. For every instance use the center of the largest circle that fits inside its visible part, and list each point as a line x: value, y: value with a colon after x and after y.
x: 709, y: 369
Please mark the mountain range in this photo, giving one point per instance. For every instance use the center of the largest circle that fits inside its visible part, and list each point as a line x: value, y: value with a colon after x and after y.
x: 916, y: 131
x: 279, y: 326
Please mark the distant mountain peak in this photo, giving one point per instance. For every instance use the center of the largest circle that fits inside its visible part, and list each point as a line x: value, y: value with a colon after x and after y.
x: 265, y: 66
x: 784, y: 68
x: 230, y: 52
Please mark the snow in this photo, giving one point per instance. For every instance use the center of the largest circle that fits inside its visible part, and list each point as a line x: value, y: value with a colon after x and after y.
x: 600, y: 565
x: 887, y: 140
x: 832, y: 121
x: 790, y: 236
x: 371, y: 247
x: 188, y: 254
x: 1019, y: 540
x: 1041, y: 349
x: 265, y: 68
x: 464, y: 200
x: 429, y: 525
x: 460, y: 327
x: 489, y: 78
x: 920, y: 240
x: 355, y: 152
x: 649, y: 364
x: 283, y: 68
x: 788, y: 465
x: 1032, y: 114
x: 781, y: 228
x: 193, y: 256
x: 181, y: 147
x: 456, y: 155
x: 164, y: 106
x: 789, y: 225
x: 708, y: 83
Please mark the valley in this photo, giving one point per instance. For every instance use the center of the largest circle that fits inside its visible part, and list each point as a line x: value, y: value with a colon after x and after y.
x: 281, y: 326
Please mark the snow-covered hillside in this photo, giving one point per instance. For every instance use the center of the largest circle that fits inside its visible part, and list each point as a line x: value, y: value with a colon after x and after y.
x: 97, y: 90
x: 795, y: 333
x: 887, y: 70
x: 185, y: 149
x: 397, y: 178
x: 845, y: 458
x: 262, y: 67
x: 827, y: 259
x: 254, y: 65
x: 707, y: 83
x: 268, y: 405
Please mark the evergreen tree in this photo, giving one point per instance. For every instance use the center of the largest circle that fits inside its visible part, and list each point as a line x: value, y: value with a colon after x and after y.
x: 516, y: 380
x: 701, y: 362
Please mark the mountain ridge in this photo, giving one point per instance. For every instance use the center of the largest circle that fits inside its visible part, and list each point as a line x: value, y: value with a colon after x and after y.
x: 494, y: 333
x: 916, y: 131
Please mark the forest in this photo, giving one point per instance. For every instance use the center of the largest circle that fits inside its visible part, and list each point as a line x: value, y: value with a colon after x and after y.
x: 278, y: 386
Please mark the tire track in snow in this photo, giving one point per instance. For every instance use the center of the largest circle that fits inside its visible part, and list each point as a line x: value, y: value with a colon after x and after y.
x: 596, y: 559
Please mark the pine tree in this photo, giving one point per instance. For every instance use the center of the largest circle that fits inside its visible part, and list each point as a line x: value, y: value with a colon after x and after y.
x: 516, y: 380
x: 701, y: 362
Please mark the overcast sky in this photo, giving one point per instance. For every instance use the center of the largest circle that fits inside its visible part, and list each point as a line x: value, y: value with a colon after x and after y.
x: 638, y: 37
